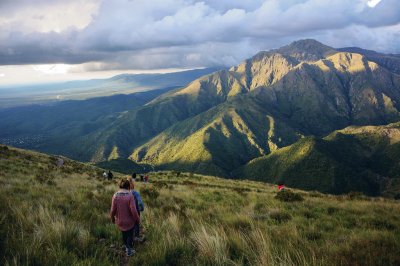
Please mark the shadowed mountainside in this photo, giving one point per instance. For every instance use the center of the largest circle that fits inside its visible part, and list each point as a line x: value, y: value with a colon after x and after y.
x: 221, y: 121
x: 280, y: 100
x: 365, y: 159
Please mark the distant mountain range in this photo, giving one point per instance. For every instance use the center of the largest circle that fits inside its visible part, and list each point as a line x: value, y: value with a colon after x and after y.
x: 296, y: 95
x: 11, y: 96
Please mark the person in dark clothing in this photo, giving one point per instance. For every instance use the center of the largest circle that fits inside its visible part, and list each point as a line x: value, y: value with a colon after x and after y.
x: 110, y: 175
x: 134, y: 176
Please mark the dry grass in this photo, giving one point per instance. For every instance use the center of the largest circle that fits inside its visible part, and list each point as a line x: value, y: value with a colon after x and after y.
x: 193, y: 220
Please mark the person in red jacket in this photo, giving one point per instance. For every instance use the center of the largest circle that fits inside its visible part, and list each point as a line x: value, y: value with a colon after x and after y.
x: 124, y: 214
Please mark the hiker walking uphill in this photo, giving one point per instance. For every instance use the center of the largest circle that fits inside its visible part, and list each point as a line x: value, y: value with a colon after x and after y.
x: 124, y: 214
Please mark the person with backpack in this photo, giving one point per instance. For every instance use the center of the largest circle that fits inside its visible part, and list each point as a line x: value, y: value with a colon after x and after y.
x: 124, y: 214
x: 139, y: 207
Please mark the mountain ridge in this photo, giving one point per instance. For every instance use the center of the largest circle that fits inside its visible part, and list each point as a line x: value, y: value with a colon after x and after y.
x: 356, y: 158
x: 344, y: 70
x: 220, y: 122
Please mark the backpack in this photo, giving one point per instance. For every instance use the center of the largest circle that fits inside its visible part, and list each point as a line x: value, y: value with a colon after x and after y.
x: 138, y: 201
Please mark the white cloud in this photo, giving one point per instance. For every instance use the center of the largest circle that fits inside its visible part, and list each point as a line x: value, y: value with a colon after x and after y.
x: 373, y: 3
x: 125, y: 34
x: 52, y: 69
x: 49, y: 16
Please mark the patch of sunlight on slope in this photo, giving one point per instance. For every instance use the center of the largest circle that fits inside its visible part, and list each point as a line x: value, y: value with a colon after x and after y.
x: 221, y: 83
x: 391, y: 131
x: 346, y: 62
x: 165, y: 149
x: 113, y: 154
x: 262, y: 70
x: 280, y: 160
x: 241, y: 126
x: 221, y: 136
x: 389, y: 105
x: 271, y: 131
x: 98, y: 156
x: 192, y: 89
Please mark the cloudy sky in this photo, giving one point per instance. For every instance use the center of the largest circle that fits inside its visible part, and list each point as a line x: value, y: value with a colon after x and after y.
x: 47, y: 40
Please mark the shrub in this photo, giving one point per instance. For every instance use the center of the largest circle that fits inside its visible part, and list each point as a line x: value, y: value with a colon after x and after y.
x: 175, y: 173
x: 280, y: 216
x: 313, y: 235
x: 150, y: 192
x: 288, y: 196
x: 331, y: 210
x: 161, y: 184
x: 181, y: 254
x: 241, y: 190
x: 355, y: 195
x: 3, y: 148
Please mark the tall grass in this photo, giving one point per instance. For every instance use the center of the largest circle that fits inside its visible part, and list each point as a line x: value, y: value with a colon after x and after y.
x: 188, y: 220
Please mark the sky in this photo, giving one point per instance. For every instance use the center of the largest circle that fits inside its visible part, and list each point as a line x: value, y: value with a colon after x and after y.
x: 54, y: 40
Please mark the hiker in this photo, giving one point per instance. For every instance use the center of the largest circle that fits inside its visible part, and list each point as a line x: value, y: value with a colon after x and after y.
x: 124, y: 214
x: 141, y: 177
x: 146, y: 178
x: 139, y: 207
x: 134, y: 176
x: 110, y: 175
x: 105, y: 174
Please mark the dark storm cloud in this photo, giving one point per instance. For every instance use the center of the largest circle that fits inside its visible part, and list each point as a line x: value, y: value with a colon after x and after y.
x: 184, y: 33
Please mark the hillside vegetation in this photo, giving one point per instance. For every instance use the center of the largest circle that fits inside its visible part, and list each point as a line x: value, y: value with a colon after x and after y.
x: 286, y: 99
x: 219, y: 122
x: 364, y: 159
x: 59, y: 216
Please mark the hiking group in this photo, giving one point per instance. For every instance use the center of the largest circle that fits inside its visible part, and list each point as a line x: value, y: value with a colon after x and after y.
x: 108, y: 175
x: 125, y: 212
x: 142, y: 177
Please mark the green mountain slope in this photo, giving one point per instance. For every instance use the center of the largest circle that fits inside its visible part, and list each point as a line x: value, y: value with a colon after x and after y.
x: 365, y: 159
x: 72, y: 128
x: 221, y: 121
x: 60, y: 216
x: 55, y: 128
x: 286, y: 99
x: 389, y: 61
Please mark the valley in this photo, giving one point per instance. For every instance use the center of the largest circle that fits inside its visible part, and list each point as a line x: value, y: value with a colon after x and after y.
x: 220, y: 123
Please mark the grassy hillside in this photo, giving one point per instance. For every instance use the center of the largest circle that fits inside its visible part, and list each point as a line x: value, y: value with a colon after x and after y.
x: 365, y: 159
x: 59, y: 216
